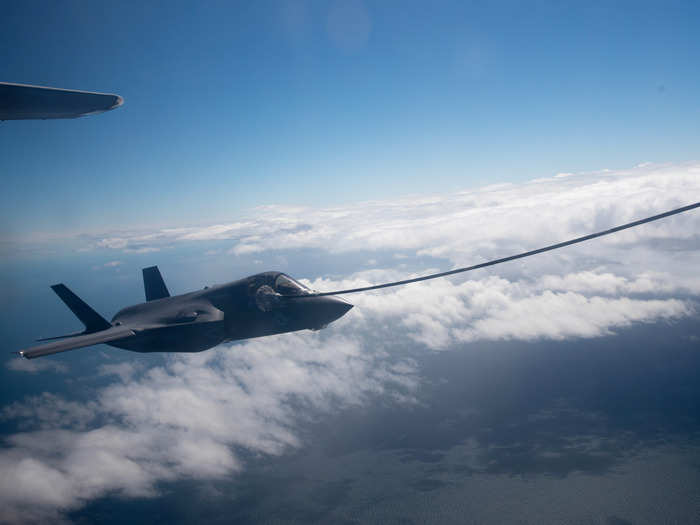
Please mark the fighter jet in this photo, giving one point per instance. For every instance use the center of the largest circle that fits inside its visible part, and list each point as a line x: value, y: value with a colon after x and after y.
x: 25, y: 102
x: 263, y: 304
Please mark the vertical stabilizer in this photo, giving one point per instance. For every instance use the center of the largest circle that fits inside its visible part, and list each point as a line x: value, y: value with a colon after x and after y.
x: 153, y: 284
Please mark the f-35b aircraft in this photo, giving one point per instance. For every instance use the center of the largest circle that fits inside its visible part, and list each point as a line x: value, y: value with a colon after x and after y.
x: 263, y: 304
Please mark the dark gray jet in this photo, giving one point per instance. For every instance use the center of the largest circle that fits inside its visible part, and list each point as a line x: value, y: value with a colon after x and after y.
x: 263, y: 304
x: 24, y: 102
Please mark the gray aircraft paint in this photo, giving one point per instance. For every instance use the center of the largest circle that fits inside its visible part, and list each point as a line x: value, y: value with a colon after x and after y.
x: 196, y: 321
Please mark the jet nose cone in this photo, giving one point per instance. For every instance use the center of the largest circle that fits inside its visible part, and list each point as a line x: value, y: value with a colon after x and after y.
x: 341, y: 306
x: 336, y: 307
x: 315, y: 312
x: 321, y: 311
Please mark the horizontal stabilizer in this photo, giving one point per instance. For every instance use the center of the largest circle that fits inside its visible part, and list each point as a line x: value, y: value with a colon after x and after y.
x: 105, y: 336
x: 153, y: 284
x: 93, y: 321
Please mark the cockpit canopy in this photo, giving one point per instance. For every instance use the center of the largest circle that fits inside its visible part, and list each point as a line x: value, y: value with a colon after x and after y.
x: 285, y: 285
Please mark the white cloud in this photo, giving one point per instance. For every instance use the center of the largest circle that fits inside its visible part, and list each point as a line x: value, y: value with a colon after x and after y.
x: 23, y: 365
x: 463, y: 226
x: 142, y: 249
x: 110, y: 264
x: 605, y: 282
x: 48, y: 411
x: 558, y: 316
x: 184, y: 419
x: 125, y: 371
x: 188, y: 417
x: 443, y: 312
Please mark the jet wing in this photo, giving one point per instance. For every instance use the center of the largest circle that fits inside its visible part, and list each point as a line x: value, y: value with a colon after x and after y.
x: 114, y: 333
x: 23, y: 102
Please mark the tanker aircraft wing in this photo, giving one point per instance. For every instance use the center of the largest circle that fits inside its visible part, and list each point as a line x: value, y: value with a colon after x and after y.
x: 25, y: 102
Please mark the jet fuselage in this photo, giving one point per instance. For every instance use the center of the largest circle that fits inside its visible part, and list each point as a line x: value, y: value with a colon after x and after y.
x: 249, y: 307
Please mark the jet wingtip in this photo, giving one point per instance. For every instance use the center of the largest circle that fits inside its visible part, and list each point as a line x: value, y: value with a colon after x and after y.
x: 118, y: 101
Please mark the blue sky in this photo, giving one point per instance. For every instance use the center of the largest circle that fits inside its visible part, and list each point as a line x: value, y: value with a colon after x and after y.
x: 561, y: 387
x: 234, y: 105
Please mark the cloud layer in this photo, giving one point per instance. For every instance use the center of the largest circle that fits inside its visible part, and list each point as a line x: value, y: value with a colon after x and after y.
x: 193, y: 416
x: 462, y: 225
x: 187, y: 418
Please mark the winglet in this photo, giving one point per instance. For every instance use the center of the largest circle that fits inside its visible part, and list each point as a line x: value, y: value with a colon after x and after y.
x: 93, y: 321
x: 153, y: 284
